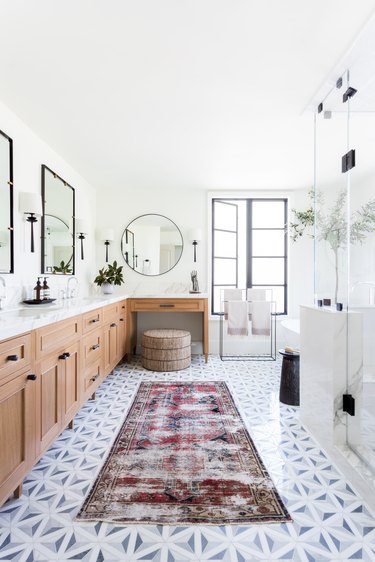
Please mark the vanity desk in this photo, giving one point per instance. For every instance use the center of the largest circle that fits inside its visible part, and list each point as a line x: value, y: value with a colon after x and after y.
x: 189, y: 303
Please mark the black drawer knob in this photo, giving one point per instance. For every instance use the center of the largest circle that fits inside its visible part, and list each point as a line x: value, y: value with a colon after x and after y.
x: 121, y: 319
x: 96, y: 346
x: 95, y: 320
x: 113, y: 325
x: 64, y: 355
x: 13, y: 358
x: 31, y: 377
x: 93, y: 379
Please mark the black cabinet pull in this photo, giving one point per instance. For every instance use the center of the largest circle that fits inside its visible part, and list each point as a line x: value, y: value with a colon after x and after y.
x: 12, y: 358
x: 113, y: 325
x: 166, y: 305
x: 96, y: 346
x: 93, y: 379
x: 94, y: 320
x: 64, y: 355
x: 67, y: 354
x: 121, y: 319
x: 31, y: 377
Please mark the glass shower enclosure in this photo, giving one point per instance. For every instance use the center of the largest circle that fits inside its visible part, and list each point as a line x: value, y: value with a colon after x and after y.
x: 344, y: 247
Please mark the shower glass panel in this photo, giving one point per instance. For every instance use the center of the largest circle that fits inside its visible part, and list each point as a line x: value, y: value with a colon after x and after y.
x: 344, y: 203
x: 361, y: 282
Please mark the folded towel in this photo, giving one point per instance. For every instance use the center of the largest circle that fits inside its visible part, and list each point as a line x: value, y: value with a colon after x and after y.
x: 237, y: 318
x: 230, y: 295
x: 261, y: 318
x: 256, y: 294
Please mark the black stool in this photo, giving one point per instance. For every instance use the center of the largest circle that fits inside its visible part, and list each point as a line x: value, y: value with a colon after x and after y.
x: 289, y: 382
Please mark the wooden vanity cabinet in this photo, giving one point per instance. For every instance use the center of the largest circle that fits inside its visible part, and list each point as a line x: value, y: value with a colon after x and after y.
x: 58, y: 370
x: 17, y: 415
x: 45, y: 377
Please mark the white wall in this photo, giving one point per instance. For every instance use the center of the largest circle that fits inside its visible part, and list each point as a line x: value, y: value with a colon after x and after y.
x: 29, y: 153
x: 119, y: 205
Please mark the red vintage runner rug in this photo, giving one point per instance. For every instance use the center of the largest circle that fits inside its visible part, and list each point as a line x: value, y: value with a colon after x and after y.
x: 184, y: 456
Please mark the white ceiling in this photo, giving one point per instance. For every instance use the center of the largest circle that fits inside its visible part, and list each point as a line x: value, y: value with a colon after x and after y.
x: 175, y: 93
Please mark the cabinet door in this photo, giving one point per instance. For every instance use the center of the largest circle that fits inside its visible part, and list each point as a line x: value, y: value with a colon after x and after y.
x: 70, y: 384
x: 48, y: 403
x: 111, y: 346
x: 17, y: 432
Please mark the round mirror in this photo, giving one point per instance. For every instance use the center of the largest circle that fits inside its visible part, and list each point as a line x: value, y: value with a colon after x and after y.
x: 151, y: 244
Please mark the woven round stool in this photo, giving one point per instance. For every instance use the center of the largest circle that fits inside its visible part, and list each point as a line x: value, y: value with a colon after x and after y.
x: 166, y: 350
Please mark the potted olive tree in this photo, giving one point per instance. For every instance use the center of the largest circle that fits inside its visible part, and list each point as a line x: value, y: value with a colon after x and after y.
x: 109, y: 276
x: 332, y: 226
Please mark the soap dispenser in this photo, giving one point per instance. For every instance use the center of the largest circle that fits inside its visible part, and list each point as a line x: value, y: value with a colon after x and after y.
x: 45, y: 290
x: 37, y: 290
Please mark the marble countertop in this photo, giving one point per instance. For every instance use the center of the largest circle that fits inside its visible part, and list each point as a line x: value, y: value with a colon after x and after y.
x: 30, y: 317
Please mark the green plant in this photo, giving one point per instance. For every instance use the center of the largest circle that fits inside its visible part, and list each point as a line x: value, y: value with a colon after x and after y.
x: 332, y: 225
x: 62, y: 268
x: 111, y: 274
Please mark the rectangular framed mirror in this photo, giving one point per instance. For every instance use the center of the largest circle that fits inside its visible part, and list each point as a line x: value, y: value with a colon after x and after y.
x: 6, y: 204
x: 58, y: 235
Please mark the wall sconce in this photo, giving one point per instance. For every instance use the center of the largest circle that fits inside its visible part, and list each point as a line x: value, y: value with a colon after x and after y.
x: 195, y: 236
x: 107, y: 235
x: 81, y: 230
x: 31, y: 204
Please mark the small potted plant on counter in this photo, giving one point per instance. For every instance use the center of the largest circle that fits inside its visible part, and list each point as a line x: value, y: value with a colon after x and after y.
x: 109, y: 276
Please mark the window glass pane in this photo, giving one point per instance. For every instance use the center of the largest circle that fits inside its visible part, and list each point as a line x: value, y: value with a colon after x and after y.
x: 268, y: 242
x: 225, y: 216
x: 268, y: 214
x: 225, y: 244
x: 268, y: 271
x: 277, y: 296
x: 225, y: 271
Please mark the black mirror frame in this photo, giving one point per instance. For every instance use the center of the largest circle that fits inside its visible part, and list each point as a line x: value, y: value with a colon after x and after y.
x: 11, y: 206
x: 127, y: 230
x: 42, y: 222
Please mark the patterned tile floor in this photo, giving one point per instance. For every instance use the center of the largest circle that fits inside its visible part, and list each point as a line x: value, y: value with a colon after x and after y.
x: 330, y: 522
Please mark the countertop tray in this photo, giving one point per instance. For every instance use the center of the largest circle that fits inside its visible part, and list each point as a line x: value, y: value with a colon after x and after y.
x: 43, y: 301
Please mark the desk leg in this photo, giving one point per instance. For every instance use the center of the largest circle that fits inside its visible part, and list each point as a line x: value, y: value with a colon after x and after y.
x: 131, y: 326
x: 205, y: 332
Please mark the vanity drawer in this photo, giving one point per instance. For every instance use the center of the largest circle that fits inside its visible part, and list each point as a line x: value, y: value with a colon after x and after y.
x: 15, y: 354
x: 56, y: 336
x: 92, y: 347
x: 92, y: 320
x: 167, y: 305
x: 111, y: 312
x: 92, y: 377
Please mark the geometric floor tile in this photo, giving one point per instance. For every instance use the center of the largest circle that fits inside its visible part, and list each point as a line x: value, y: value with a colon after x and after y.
x: 330, y: 521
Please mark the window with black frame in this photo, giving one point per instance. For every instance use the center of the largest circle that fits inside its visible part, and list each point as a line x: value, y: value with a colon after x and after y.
x: 249, y: 247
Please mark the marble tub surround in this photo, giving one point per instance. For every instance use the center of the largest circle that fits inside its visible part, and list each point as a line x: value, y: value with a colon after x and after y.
x: 325, y: 336
x: 25, y: 318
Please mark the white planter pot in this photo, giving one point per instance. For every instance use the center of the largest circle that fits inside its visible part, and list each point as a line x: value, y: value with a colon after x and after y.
x: 107, y: 288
